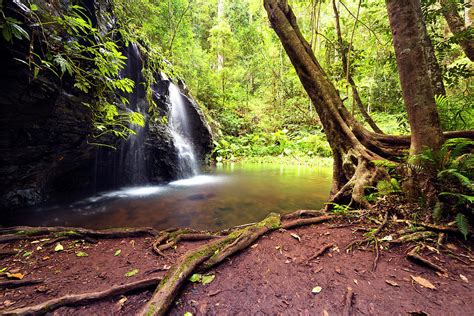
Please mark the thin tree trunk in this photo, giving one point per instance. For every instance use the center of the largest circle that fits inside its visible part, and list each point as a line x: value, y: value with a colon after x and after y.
x: 416, y: 84
x: 220, y: 17
x: 458, y: 28
x: 350, y: 80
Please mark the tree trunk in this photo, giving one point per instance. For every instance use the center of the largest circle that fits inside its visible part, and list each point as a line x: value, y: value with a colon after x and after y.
x: 354, y: 148
x: 434, y: 71
x: 351, y: 144
x: 413, y: 70
x: 457, y: 27
x: 347, y: 73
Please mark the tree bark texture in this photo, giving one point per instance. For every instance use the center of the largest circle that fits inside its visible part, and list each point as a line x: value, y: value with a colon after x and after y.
x: 458, y: 28
x: 414, y: 78
x: 434, y: 70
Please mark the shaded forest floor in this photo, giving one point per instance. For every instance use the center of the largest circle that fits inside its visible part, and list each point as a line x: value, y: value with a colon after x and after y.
x: 272, y: 276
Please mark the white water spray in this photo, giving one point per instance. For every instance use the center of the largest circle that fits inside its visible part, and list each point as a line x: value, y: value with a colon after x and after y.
x: 181, y: 133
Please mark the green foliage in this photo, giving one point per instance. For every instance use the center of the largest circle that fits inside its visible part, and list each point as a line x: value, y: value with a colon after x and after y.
x: 456, y: 112
x: 463, y: 224
x: 78, y: 51
x: 339, y: 209
x: 279, y: 143
x: 453, y: 169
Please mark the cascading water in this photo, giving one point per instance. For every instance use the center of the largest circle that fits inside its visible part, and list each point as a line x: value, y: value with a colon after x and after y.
x: 132, y: 166
x: 181, y: 133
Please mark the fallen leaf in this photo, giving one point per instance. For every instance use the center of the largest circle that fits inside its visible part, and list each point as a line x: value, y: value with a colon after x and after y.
x: 27, y: 253
x: 58, y: 247
x: 464, y: 278
x: 39, y: 248
x: 188, y: 314
x: 131, y: 273
x: 196, y: 277
x: 392, y: 283
x: 82, y: 254
x: 325, y: 313
x: 16, y: 276
x: 122, y: 301
x: 295, y: 236
x: 316, y: 290
x: 355, y: 281
x: 387, y: 238
x: 452, y: 247
x: 206, y: 279
x: 35, y: 242
x: 423, y: 282
x: 254, y: 246
x: 117, y: 253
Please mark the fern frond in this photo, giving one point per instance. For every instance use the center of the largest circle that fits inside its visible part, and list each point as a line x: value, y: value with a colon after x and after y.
x: 462, y: 197
x: 463, y: 224
x: 465, y: 181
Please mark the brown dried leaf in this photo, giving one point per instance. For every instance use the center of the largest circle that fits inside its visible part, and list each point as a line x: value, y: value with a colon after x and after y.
x: 423, y: 282
x: 392, y: 283
x: 16, y: 276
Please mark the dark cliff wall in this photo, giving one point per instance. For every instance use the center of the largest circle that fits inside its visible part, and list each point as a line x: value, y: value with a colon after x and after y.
x: 44, y: 130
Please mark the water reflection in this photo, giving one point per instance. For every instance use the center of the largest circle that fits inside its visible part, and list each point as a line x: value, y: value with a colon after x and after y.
x: 227, y: 195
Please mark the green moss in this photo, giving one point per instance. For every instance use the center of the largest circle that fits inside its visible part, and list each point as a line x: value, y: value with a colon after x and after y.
x: 272, y: 221
x: 67, y: 233
x: 28, y: 232
x: 151, y: 310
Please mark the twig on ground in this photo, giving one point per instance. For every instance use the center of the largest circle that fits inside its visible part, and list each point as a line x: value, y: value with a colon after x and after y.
x: 415, y: 257
x: 377, y: 255
x: 319, y: 253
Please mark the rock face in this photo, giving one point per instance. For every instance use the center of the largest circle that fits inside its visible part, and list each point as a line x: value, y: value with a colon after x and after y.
x: 44, y: 129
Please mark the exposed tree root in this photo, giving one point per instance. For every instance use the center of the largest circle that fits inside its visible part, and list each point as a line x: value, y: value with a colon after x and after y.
x: 437, y: 228
x: 303, y: 213
x: 348, y: 302
x: 27, y: 232
x: 306, y: 221
x: 415, y: 257
x: 18, y: 283
x: 319, y: 253
x: 159, y: 248
x: 414, y: 237
x: 209, y: 254
x: 81, y: 299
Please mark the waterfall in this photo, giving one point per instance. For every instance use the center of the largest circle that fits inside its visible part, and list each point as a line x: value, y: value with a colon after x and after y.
x: 181, y: 133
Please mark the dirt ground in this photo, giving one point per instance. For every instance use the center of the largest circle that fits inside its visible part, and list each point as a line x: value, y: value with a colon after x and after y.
x: 272, y: 277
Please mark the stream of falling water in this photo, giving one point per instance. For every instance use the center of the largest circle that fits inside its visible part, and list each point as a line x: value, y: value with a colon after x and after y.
x: 181, y: 132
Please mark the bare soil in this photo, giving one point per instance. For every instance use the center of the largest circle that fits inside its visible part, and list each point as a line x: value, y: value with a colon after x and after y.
x: 272, y: 277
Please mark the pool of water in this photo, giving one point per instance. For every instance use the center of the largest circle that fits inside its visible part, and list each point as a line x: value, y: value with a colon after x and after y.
x: 225, y: 196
